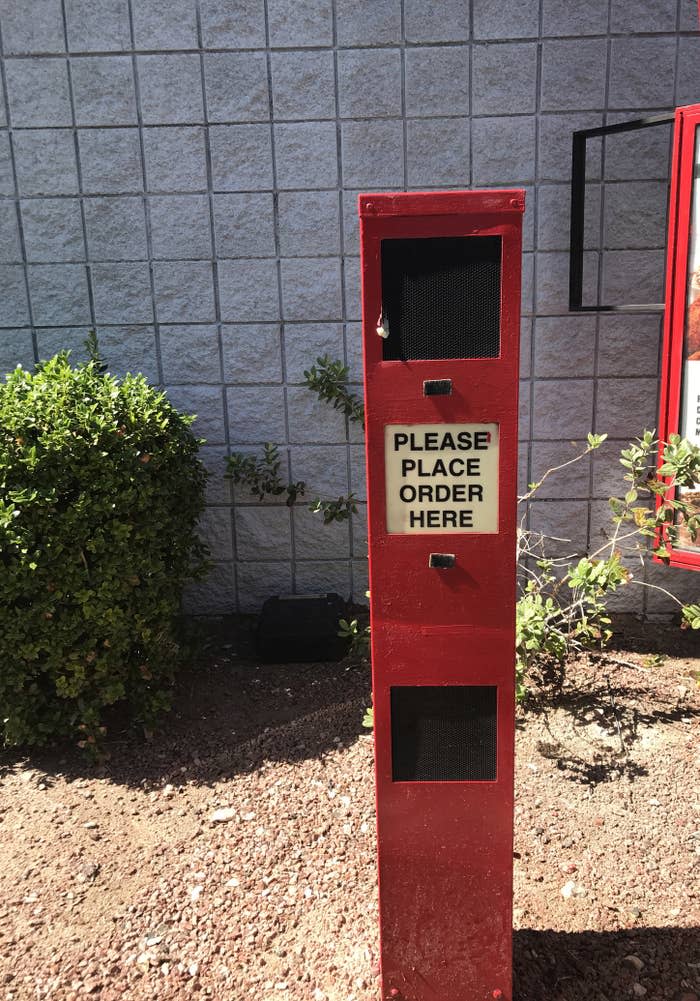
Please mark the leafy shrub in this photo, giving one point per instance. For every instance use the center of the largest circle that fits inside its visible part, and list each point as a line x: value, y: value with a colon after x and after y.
x: 100, y: 492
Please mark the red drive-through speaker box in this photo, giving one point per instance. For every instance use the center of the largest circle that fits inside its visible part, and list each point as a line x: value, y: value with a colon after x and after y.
x: 441, y: 320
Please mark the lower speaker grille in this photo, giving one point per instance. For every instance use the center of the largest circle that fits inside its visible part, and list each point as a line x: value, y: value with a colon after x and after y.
x: 443, y: 734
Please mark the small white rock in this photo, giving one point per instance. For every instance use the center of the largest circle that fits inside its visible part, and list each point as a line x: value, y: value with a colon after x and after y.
x: 639, y: 990
x: 567, y: 889
x: 223, y: 815
x: 196, y: 893
x: 193, y: 969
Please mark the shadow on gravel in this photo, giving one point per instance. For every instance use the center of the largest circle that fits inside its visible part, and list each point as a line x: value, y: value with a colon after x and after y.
x: 592, y: 966
x: 230, y: 714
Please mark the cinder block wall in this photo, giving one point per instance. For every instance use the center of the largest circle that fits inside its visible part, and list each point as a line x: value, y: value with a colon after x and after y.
x: 183, y: 175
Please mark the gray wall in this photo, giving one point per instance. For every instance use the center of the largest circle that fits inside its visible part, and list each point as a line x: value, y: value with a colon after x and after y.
x: 183, y: 177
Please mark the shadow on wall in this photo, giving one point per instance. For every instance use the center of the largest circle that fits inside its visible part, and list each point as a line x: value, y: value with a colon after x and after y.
x: 592, y: 966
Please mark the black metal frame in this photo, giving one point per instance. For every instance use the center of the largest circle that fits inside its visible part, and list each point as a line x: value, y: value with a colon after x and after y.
x: 578, y: 210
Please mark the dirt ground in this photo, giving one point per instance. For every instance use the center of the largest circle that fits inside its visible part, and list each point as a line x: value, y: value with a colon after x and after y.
x: 117, y: 881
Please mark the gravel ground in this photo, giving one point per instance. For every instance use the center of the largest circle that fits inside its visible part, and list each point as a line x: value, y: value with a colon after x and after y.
x: 234, y: 856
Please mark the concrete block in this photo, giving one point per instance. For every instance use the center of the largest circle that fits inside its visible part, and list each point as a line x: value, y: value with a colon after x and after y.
x: 554, y: 216
x: 503, y: 150
x: 3, y: 113
x: 639, y: 155
x: 51, y: 340
x: 256, y: 416
x: 565, y: 346
x: 299, y: 23
x: 37, y: 92
x: 312, y: 420
x: 360, y: 23
x: 309, y: 223
x: 688, y: 85
x: 303, y: 85
x: 171, y: 89
x: 10, y: 249
x: 98, y: 25
x: 243, y: 496
x: 311, y: 289
x: 59, y: 294
x: 437, y: 152
x: 356, y: 433
x: 525, y: 347
x: 216, y: 530
x: 508, y: 19
x: 635, y: 214
x: 306, y: 155
x: 40, y: 31
x: 372, y: 154
x: 573, y: 74
x: 16, y: 348
x: 351, y: 222
x: 358, y: 479
x: 116, y: 228
x: 175, y: 158
x: 631, y: 83
x: 233, y: 24
x: 554, y: 151
x: 628, y: 345
x: 45, y: 163
x: 248, y: 290
x: 7, y: 180
x: 129, y: 349
x: 236, y: 86
x: 572, y: 482
x: 523, y: 468
x: 190, y: 353
x: 353, y: 341
x: 165, y: 26
x: 215, y: 595
x: 625, y: 407
x: 563, y: 408
x: 53, y: 230
x: 218, y: 488
x: 360, y: 581
x: 254, y: 588
x: 263, y: 533
x: 207, y: 403
x: 244, y: 225
x: 252, y: 353
x: 629, y: 17
x: 504, y: 77
x: 552, y: 293
x: 122, y: 293
x: 110, y: 161
x: 560, y: 17
x: 359, y: 533
x: 104, y: 90
x: 683, y: 585
x: 315, y: 577
x: 315, y: 541
x: 448, y: 22
x: 322, y: 467
x: 353, y: 295
x: 688, y: 15
x: 369, y: 83
x: 633, y: 276
x: 241, y: 157
x: 180, y: 227
x: 565, y: 525
x: 527, y: 292
x: 305, y: 342
x: 184, y: 291
x: 524, y: 408
x: 437, y: 86
x: 608, y: 474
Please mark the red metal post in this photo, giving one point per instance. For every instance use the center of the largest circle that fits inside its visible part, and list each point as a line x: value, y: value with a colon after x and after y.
x: 445, y: 845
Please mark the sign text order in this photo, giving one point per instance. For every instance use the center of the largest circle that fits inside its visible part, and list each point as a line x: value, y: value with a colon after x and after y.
x: 441, y: 477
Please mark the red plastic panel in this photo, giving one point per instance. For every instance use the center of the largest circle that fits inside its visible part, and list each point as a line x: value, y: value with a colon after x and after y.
x: 445, y: 847
x: 680, y: 314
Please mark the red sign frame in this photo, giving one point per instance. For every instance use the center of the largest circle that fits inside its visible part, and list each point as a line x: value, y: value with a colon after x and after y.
x: 444, y: 847
x: 687, y: 121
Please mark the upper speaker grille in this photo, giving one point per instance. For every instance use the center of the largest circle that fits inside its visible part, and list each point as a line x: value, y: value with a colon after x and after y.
x: 441, y: 297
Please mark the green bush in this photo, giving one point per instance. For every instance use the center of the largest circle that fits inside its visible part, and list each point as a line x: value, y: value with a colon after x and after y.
x: 100, y: 493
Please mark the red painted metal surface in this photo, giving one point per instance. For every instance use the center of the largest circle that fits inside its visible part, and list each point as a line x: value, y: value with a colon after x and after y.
x: 679, y: 218
x: 444, y: 848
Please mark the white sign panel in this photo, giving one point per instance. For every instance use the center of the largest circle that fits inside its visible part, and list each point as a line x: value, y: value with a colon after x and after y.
x: 441, y: 478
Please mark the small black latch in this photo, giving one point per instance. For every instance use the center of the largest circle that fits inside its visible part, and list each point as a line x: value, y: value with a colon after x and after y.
x: 437, y: 387
x: 442, y: 561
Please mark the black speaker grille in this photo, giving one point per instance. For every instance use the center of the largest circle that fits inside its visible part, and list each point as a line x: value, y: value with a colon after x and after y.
x: 443, y: 734
x: 441, y: 297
